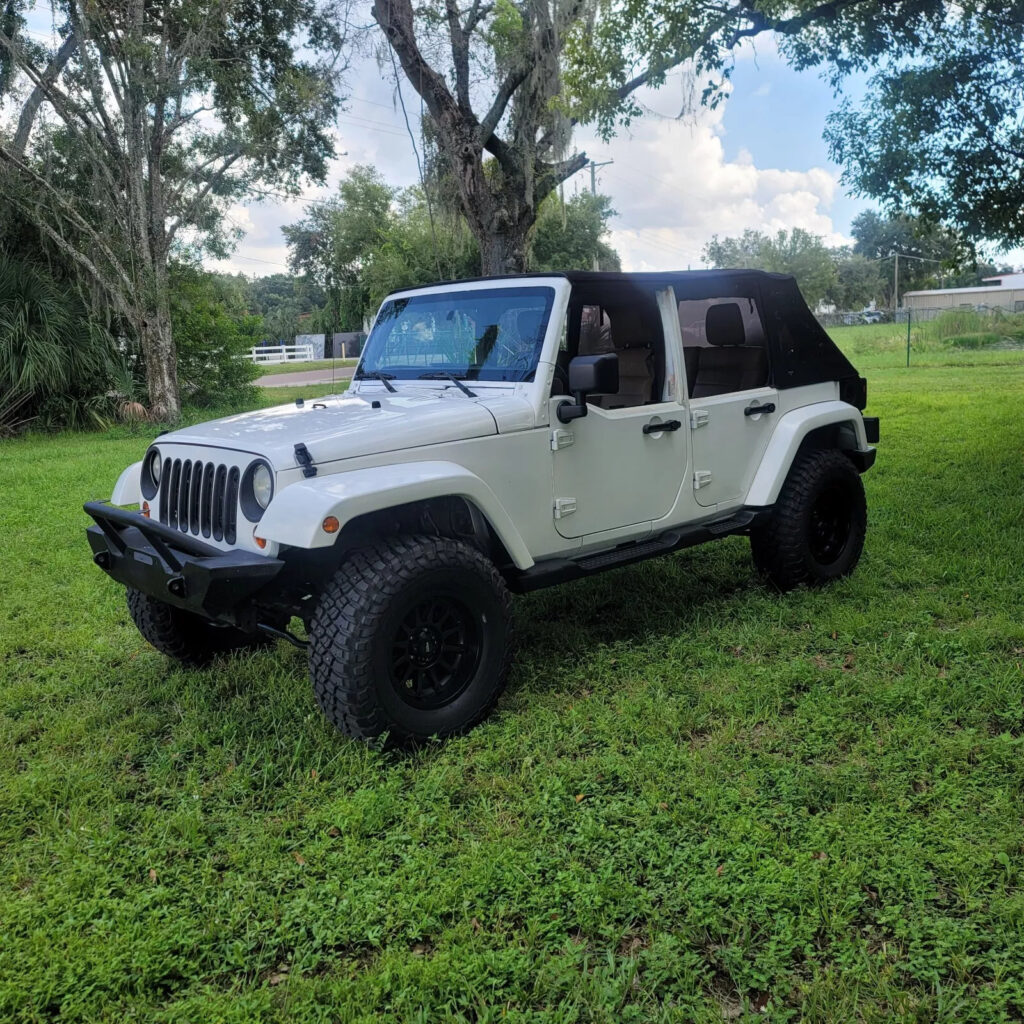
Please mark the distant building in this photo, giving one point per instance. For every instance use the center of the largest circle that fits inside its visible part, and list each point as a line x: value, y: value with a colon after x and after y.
x: 1008, y: 295
x: 1007, y: 280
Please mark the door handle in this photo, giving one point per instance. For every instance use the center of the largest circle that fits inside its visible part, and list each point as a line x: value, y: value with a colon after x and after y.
x: 753, y: 410
x: 657, y: 428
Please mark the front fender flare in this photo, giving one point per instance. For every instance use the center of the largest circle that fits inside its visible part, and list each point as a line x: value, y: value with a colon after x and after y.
x: 128, y: 489
x: 786, y: 440
x: 295, y: 515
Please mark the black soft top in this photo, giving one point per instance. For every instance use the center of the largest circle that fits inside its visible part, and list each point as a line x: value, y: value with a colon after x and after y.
x: 800, y: 351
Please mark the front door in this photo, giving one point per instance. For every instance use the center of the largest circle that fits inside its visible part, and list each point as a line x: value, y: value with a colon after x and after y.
x: 614, y: 467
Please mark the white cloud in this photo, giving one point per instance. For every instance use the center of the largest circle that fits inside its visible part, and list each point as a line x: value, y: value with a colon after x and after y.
x: 673, y: 189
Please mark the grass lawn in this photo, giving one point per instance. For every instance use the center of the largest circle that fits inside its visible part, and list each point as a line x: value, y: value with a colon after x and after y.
x: 698, y: 800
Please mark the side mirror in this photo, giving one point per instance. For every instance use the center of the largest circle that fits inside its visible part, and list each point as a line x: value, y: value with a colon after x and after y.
x: 589, y: 375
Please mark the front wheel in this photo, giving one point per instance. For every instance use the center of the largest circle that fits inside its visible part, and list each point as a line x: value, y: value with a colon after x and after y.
x: 815, y: 533
x: 412, y: 637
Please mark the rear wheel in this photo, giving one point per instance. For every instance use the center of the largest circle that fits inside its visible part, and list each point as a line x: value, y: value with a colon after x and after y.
x: 412, y: 638
x: 816, y: 530
x: 186, y: 637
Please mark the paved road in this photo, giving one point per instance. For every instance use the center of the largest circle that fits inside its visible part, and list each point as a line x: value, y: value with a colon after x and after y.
x: 295, y: 380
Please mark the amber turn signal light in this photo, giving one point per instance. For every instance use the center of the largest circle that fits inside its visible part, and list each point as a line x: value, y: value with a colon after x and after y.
x: 331, y: 525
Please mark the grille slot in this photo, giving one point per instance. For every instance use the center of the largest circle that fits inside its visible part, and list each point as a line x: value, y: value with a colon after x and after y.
x: 200, y: 498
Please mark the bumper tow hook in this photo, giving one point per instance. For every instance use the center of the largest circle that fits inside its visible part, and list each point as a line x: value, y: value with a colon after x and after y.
x: 176, y: 585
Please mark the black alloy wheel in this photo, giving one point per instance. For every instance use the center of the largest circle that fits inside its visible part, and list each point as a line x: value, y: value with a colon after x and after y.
x: 829, y: 524
x: 435, y: 652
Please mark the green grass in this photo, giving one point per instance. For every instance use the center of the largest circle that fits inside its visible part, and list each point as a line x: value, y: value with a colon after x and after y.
x: 315, y: 364
x: 994, y: 339
x: 697, y: 799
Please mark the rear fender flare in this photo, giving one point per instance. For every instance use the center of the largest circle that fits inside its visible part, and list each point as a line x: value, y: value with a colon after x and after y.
x: 785, y: 442
x: 295, y: 515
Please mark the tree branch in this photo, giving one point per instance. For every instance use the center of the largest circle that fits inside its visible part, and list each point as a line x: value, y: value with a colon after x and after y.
x: 549, y: 176
x: 758, y: 23
x: 460, y: 53
x: 72, y: 216
x: 214, y: 180
x: 501, y: 101
x: 38, y: 94
x: 395, y: 18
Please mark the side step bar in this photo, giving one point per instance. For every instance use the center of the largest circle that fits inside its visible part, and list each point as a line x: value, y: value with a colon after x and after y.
x: 562, y: 570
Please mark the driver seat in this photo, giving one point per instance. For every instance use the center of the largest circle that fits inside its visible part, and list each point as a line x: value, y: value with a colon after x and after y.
x: 630, y: 341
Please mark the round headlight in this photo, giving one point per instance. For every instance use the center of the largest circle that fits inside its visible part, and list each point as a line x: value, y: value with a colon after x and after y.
x: 262, y: 486
x: 151, y: 467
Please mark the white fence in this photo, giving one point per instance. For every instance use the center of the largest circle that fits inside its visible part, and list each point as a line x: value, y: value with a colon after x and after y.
x: 281, y: 354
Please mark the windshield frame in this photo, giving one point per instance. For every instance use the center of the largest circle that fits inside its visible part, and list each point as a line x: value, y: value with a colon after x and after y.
x: 522, y: 369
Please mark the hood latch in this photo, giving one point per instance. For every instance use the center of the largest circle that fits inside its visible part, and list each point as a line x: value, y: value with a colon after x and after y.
x: 305, y: 460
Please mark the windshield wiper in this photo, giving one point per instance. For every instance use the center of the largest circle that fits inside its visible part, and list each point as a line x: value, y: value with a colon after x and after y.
x: 384, y: 378
x: 445, y: 375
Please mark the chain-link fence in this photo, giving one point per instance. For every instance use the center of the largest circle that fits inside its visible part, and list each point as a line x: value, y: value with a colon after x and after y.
x: 974, y: 332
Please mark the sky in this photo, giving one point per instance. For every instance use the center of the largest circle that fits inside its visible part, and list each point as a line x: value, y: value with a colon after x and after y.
x: 758, y: 161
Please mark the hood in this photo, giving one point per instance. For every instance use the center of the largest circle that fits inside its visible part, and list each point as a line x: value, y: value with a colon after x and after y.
x: 344, y: 426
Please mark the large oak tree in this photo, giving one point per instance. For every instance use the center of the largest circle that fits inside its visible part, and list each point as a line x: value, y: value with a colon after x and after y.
x: 135, y: 132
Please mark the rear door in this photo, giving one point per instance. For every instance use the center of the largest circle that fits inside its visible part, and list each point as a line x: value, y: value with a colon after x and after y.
x: 733, y: 409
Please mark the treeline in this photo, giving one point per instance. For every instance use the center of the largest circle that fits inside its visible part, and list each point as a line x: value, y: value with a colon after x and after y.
x: 373, y: 238
x: 67, y: 359
x: 852, y: 277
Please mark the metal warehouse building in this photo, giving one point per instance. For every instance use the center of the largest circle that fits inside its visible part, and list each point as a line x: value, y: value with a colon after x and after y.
x: 1008, y: 295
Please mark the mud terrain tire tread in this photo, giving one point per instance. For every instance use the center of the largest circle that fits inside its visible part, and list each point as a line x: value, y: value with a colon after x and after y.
x: 780, y: 547
x: 349, y: 613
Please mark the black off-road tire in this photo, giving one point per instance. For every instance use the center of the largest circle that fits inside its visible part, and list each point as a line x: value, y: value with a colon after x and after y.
x: 373, y: 621
x: 186, y: 637
x: 815, y: 533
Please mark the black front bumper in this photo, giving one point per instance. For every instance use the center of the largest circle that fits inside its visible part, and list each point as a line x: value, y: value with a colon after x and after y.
x: 175, y: 567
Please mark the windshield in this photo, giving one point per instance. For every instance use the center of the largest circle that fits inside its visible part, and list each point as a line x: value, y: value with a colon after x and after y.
x: 485, y: 334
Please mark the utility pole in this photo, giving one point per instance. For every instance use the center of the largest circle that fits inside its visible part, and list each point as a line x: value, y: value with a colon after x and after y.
x: 895, y: 283
x: 593, y: 191
x: 593, y: 174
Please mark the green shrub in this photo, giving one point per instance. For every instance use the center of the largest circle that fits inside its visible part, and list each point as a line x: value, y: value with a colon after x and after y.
x: 56, y: 362
x: 978, y: 339
x: 212, y: 337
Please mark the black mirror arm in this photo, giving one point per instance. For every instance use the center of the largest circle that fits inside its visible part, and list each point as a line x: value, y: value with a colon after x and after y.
x: 569, y: 411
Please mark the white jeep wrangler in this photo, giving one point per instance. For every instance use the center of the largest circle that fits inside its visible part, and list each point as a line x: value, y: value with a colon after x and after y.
x: 500, y: 434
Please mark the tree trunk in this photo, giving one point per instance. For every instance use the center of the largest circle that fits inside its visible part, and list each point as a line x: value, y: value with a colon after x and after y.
x: 159, y: 352
x: 161, y: 367
x: 503, y: 252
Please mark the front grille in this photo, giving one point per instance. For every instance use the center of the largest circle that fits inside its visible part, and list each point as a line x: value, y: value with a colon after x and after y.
x: 200, y: 498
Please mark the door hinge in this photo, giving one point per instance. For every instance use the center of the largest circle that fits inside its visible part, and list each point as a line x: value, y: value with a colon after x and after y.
x: 564, y: 507
x: 561, y: 439
x: 699, y: 418
x: 701, y: 478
